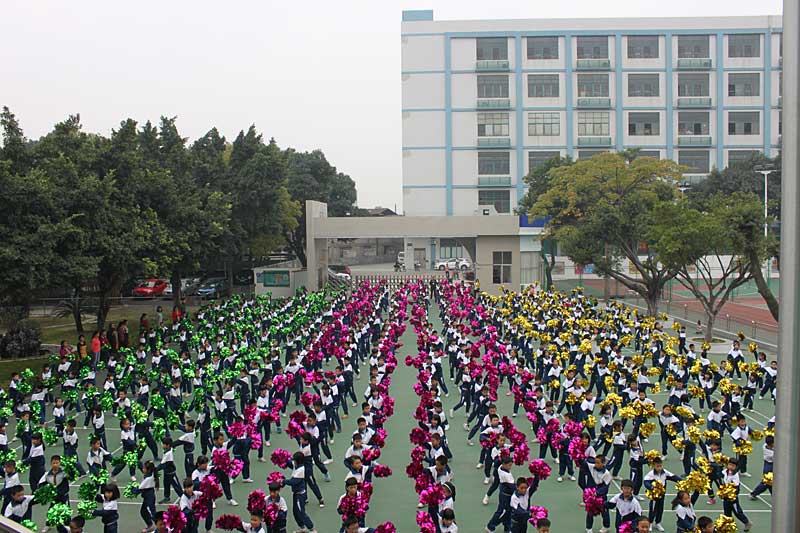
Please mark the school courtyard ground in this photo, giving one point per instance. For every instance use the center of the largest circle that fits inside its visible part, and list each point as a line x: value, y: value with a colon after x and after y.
x: 394, y: 498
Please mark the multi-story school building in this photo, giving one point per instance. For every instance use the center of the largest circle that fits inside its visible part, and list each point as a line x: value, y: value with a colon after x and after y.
x: 485, y: 101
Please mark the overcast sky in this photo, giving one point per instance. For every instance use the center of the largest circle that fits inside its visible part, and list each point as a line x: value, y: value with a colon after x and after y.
x: 312, y: 74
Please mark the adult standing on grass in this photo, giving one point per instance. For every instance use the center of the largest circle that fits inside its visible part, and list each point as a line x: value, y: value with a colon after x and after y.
x: 159, y: 317
x: 122, y: 331
x: 95, y: 347
x: 144, y: 323
x: 113, y: 338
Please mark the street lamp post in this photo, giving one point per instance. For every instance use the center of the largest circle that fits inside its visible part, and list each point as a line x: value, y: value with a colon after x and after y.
x: 766, y: 173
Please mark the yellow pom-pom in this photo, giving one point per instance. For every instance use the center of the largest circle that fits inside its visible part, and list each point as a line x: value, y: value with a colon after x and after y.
x: 767, y: 479
x: 728, y: 491
x: 590, y: 421
x: 654, y: 371
x: 745, y: 448
x: 656, y: 388
x: 704, y: 465
x: 652, y: 455
x: 711, y: 434
x: 657, y: 492
x: 756, y: 435
x: 646, y: 429
x: 753, y: 347
x: 725, y: 524
x: 554, y: 384
x: 693, y: 433
x: 679, y: 445
x: 696, y: 392
x: 695, y: 482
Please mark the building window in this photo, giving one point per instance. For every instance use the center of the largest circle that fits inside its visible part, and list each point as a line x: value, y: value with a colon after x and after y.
x: 693, y: 84
x: 643, y: 85
x: 643, y: 124
x: 591, y: 85
x: 655, y: 154
x: 744, y: 84
x: 693, y: 123
x: 588, y: 154
x: 593, y: 47
x: 501, y: 200
x: 491, y: 48
x: 542, y: 47
x: 494, y: 164
x: 744, y: 45
x: 492, y: 124
x: 693, y: 46
x: 501, y: 267
x: 643, y: 47
x: 740, y: 156
x: 450, y: 249
x: 544, y: 124
x: 542, y: 85
x: 493, y: 86
x: 695, y: 160
x: 593, y: 123
x: 744, y: 123
x: 539, y: 158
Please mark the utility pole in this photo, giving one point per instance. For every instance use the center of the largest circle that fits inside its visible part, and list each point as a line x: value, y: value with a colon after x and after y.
x: 766, y: 173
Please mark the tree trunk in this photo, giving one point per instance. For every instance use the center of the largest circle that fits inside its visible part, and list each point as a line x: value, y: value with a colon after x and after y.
x: 651, y: 298
x: 709, y: 331
x: 76, y: 312
x: 761, y: 284
x: 103, y: 306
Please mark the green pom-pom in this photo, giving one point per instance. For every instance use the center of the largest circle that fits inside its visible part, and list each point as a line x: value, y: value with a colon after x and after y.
x: 157, y: 402
x: 30, y: 524
x: 68, y: 463
x: 131, y: 459
x: 173, y: 420
x: 59, y: 514
x: 129, y: 489
x: 87, y: 490
x: 138, y: 412
x: 85, y: 509
x: 49, y: 436
x: 106, y: 401
x: 36, y: 409
x: 46, y: 494
x: 26, y: 374
x: 101, y: 478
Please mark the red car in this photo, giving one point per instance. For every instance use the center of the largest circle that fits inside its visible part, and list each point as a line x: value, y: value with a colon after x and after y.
x: 150, y: 288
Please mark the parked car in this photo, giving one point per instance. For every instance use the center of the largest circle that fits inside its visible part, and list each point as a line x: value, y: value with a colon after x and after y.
x: 187, y: 285
x: 453, y: 264
x: 340, y: 271
x: 210, y: 288
x: 150, y: 288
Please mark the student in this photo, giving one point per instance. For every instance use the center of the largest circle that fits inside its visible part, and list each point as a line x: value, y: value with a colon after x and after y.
x: 740, y: 434
x: 10, y: 481
x: 684, y: 513
x: 299, y: 496
x: 108, y: 511
x: 705, y: 524
x: 170, y: 472
x: 20, y: 507
x: 656, y: 507
x: 520, y: 504
x: 275, y: 498
x: 127, y: 438
x: 543, y: 526
x: 626, y: 505
x: 147, y: 490
x: 733, y: 507
x: 256, y: 524
x: 187, y: 441
x: 599, y: 479
x: 350, y: 491
x: 35, y: 460
x: 188, y: 497
x: 58, y: 478
x: 76, y: 524
x: 447, y: 522
x: 97, y: 457
x: 769, y: 453
x: 507, y: 489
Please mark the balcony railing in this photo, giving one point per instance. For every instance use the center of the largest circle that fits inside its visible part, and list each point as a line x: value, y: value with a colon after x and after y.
x: 488, y: 65
x: 694, y: 140
x: 594, y: 141
x: 694, y: 63
x: 494, y: 142
x: 694, y: 101
x: 593, y: 64
x: 594, y: 102
x: 494, y: 103
x: 494, y: 181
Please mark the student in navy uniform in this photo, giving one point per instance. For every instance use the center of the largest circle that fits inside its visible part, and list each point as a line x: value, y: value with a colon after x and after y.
x: 656, y: 507
x: 520, y: 504
x: 187, y: 441
x: 599, y: 479
x: 769, y: 453
x: 684, y: 513
x: 35, y: 460
x: 502, y: 514
x: 127, y: 438
x: 170, y: 471
x: 97, y: 456
x: 71, y: 445
x: 188, y: 497
x: 20, y: 507
x: 299, y: 496
x: 108, y: 511
x: 275, y: 498
x: 147, y: 490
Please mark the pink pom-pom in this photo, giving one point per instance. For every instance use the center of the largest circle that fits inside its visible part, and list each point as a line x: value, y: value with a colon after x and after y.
x: 237, y: 430
x: 381, y: 471
x: 425, y: 522
x: 229, y: 522
x: 174, y: 519
x: 257, y: 501
x: 275, y: 477
x: 370, y: 454
x: 540, y: 469
x: 281, y: 458
x: 594, y: 504
x: 537, y: 513
x: 386, y: 527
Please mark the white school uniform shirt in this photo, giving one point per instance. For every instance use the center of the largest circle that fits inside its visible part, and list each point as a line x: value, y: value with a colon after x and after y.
x: 18, y: 509
x: 11, y: 480
x: 730, y: 478
x: 95, y: 458
x: 685, y: 512
x: 99, y: 421
x: 652, y: 475
x: 147, y: 483
x: 602, y: 477
x: 199, y: 475
x: 768, y: 454
x: 740, y: 433
x: 186, y: 501
x: 626, y: 507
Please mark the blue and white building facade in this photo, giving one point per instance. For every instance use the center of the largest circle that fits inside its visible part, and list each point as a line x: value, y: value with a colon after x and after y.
x: 484, y: 102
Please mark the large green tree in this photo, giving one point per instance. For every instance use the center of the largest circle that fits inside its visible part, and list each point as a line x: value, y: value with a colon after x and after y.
x: 312, y: 177
x: 539, y: 182
x: 708, y: 245
x: 600, y: 210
